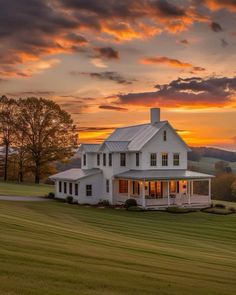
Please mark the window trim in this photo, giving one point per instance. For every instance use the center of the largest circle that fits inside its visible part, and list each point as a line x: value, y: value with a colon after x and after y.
x: 164, y: 161
x: 110, y: 159
x: 98, y: 159
x: 123, y: 159
x: 153, y: 162
x: 89, y: 190
x: 174, y: 159
x: 137, y: 159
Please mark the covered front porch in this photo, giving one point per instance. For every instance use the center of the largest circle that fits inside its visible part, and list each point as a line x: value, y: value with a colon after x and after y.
x: 191, y: 191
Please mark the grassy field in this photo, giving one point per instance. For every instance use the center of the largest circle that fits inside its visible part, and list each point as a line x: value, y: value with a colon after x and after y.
x: 16, y: 189
x: 207, y: 165
x: 60, y: 249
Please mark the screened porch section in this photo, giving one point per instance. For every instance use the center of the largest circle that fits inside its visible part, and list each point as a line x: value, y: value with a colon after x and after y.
x: 164, y: 193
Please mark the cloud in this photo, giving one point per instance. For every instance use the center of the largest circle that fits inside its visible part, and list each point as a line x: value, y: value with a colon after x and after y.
x: 112, y: 76
x: 184, y: 41
x: 97, y: 62
x: 220, y: 4
x: 216, y: 27
x: 188, y: 92
x: 170, y: 62
x: 107, y: 53
x: 112, y: 108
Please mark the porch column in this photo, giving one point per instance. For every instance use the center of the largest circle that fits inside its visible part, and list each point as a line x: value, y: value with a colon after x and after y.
x: 128, y: 188
x: 192, y: 188
x: 143, y: 193
x: 188, y: 192
x: 209, y: 189
x: 168, y: 193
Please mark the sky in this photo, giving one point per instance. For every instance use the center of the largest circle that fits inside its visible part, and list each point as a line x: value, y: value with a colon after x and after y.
x: 108, y: 61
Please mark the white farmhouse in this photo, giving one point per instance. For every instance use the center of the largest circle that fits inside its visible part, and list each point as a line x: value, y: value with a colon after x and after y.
x: 147, y: 162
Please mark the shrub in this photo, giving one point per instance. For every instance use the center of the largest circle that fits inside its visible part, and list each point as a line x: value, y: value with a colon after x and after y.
x: 70, y: 199
x: 218, y: 205
x: 135, y: 208
x: 130, y: 203
x: 51, y: 195
x: 104, y: 203
x: 176, y: 209
x: 215, y: 210
x: 232, y: 209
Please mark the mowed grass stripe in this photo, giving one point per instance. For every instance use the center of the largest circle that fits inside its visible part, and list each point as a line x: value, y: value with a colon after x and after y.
x: 65, y: 249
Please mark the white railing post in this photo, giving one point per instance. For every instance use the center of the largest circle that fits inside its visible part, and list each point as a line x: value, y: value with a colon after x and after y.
x: 143, y: 194
x: 128, y: 188
x: 168, y: 193
x: 188, y: 192
x: 209, y: 189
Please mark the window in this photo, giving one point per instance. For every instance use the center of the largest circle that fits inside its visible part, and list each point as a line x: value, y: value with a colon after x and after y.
x: 123, y: 186
x: 98, y: 159
x: 65, y: 187
x: 70, y: 188
x: 173, y: 186
x: 137, y: 159
x: 76, y: 189
x: 110, y: 159
x: 59, y: 186
x: 84, y: 159
x: 164, y: 135
x: 164, y: 159
x: 107, y: 185
x: 136, y: 188
x: 122, y: 159
x: 104, y: 159
x: 89, y: 191
x: 153, y: 159
x: 176, y: 159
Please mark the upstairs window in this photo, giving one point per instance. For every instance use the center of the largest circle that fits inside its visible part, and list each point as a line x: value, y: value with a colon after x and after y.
x: 59, y: 186
x: 104, y: 159
x: 84, y: 159
x: 122, y: 159
x: 176, y: 159
x: 123, y: 186
x: 165, y: 159
x: 164, y: 135
x: 137, y: 159
x: 110, y: 159
x: 98, y: 159
x: 89, y: 190
x: 153, y: 159
x: 107, y: 185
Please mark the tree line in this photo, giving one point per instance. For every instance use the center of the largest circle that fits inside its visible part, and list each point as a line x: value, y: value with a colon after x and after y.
x: 38, y: 132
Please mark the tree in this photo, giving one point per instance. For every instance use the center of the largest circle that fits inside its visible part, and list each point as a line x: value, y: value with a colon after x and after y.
x: 7, y: 128
x: 48, y: 132
x: 221, y: 186
x: 233, y: 189
x: 222, y: 167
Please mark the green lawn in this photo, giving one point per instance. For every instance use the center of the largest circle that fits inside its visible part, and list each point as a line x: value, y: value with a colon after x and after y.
x: 16, y: 189
x: 60, y: 249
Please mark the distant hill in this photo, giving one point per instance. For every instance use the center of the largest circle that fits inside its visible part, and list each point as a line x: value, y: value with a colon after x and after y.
x: 201, y: 152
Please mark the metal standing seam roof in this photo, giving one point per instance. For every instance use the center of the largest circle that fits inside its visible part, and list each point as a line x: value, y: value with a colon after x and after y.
x: 162, y: 175
x: 90, y: 147
x: 115, y: 146
x: 75, y: 174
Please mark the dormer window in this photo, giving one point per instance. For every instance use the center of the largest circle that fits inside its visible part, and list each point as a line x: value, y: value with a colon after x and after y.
x: 104, y: 159
x: 122, y: 159
x: 164, y: 135
x: 84, y: 159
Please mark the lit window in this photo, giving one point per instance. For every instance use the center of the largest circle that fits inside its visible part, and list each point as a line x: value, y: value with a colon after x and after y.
x: 173, y: 187
x: 104, y: 159
x: 164, y: 135
x: 98, y: 159
x: 164, y: 159
x: 122, y: 159
x: 123, y: 186
x: 137, y: 159
x: 136, y: 188
x: 110, y: 159
x: 84, y: 159
x: 107, y: 185
x: 89, y: 190
x: 176, y: 159
x: 153, y: 159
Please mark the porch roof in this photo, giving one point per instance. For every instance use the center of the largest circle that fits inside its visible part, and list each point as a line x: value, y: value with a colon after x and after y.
x: 75, y: 174
x: 162, y: 175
